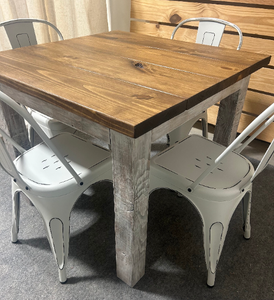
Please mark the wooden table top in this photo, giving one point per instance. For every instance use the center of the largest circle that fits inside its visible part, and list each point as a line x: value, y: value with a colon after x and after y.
x: 127, y: 82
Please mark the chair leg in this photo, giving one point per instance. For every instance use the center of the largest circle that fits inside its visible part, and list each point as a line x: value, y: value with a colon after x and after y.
x: 167, y: 140
x: 246, y: 215
x: 216, y: 217
x: 204, y: 127
x: 31, y: 136
x: 15, y: 216
x: 58, y: 234
x: 179, y: 133
x: 214, y: 236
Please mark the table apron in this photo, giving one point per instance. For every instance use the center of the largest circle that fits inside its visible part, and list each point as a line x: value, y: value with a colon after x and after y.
x: 99, y: 131
x: 82, y: 124
x: 187, y: 115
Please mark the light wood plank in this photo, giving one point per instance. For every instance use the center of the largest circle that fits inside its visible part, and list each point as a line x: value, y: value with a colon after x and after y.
x: 267, y: 135
x: 131, y: 191
x: 259, y: 3
x: 245, y: 120
x: 229, y: 41
x: 263, y: 80
x: 175, y: 11
x: 256, y: 103
x: 212, y: 114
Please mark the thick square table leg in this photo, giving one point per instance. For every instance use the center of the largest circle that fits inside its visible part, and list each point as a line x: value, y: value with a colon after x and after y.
x: 229, y: 115
x: 14, y: 125
x: 131, y: 192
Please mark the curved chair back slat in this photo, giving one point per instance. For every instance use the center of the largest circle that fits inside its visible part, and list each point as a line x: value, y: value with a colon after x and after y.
x: 20, y: 109
x: 21, y: 32
x: 210, y: 31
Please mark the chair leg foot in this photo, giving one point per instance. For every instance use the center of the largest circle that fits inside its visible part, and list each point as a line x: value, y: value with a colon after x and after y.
x: 14, y: 239
x: 15, y: 217
x: 62, y: 276
x: 58, y: 235
x: 247, y: 232
x: 246, y: 215
x: 210, y: 279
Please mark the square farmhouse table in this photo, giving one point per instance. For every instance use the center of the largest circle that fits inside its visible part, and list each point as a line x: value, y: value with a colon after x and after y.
x: 128, y: 90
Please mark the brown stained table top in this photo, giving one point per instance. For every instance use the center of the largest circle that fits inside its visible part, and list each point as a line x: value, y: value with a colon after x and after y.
x: 128, y: 82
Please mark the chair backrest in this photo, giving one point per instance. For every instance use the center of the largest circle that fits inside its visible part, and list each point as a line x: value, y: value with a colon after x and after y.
x: 21, y: 32
x: 210, y: 31
x: 5, y: 158
x: 257, y: 126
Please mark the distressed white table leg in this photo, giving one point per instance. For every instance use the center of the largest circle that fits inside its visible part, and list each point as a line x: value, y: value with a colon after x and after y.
x: 131, y: 192
x: 229, y: 115
x: 14, y: 125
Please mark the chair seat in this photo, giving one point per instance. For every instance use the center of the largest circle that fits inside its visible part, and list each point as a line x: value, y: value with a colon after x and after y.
x: 215, y: 179
x: 187, y: 160
x: 41, y: 169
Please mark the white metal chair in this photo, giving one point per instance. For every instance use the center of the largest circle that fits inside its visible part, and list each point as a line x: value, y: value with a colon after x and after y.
x: 53, y: 175
x: 210, y: 32
x: 214, y: 179
x: 21, y: 33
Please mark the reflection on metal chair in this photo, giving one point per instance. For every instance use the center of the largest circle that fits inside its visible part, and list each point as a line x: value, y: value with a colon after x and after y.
x: 53, y: 175
x: 215, y: 180
x: 210, y: 32
x: 21, y: 33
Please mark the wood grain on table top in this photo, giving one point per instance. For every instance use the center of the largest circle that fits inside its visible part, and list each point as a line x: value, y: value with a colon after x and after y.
x: 127, y: 82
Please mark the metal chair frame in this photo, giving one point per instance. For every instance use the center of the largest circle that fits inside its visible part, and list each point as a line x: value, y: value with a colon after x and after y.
x: 21, y: 33
x: 215, y: 179
x: 53, y: 175
x: 214, y: 28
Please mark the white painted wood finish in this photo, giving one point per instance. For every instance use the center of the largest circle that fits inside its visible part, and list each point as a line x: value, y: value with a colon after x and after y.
x: 66, y: 117
x: 227, y: 123
x: 130, y: 164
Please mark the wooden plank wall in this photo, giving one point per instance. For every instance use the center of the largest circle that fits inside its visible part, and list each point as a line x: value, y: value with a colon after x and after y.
x: 254, y: 17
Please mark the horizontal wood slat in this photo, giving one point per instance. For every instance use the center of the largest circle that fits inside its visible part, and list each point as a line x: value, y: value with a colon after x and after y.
x: 230, y: 41
x: 254, y: 17
x: 251, y: 20
x: 267, y: 135
x: 255, y: 102
x: 263, y: 80
x: 243, y: 2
